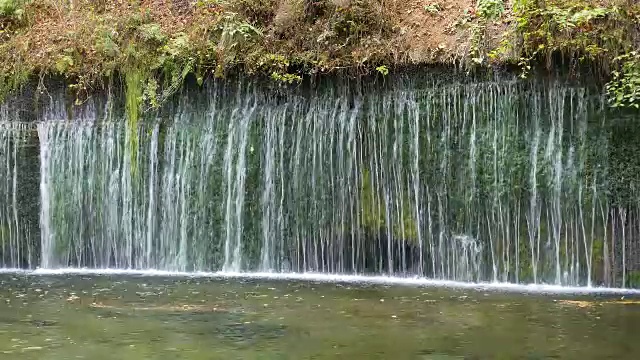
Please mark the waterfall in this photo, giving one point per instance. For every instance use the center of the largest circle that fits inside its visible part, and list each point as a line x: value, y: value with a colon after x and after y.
x: 15, y: 249
x: 490, y: 181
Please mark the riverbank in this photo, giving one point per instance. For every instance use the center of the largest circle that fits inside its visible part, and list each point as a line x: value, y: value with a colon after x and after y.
x: 151, y: 46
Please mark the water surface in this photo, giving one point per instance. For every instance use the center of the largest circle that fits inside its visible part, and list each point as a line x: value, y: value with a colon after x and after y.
x: 154, y: 317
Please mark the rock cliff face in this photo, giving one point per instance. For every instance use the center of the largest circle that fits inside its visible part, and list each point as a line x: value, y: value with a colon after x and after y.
x: 520, y: 181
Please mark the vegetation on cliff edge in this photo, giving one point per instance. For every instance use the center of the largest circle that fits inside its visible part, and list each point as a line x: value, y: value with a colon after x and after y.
x: 157, y: 43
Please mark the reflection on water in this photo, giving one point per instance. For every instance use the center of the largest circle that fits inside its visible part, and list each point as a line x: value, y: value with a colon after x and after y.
x: 138, y: 317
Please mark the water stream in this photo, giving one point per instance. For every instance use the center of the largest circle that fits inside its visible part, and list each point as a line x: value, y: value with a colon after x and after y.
x: 501, y: 181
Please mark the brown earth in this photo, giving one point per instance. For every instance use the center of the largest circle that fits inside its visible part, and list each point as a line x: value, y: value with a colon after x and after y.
x: 438, y: 36
x: 416, y: 35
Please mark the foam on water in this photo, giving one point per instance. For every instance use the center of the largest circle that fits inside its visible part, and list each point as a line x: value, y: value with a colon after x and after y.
x: 336, y: 278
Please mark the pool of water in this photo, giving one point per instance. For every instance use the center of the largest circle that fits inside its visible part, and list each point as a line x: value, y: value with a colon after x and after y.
x: 119, y: 316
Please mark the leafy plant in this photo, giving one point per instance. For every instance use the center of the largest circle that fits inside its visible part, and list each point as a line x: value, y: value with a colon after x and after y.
x: 234, y: 32
x: 178, y: 46
x: 106, y: 42
x: 286, y: 78
x: 568, y: 18
x: 432, y: 8
x: 257, y: 11
x: 475, y: 51
x: 356, y: 21
x: 152, y: 32
x: 467, y: 18
x: 383, y: 70
x: 63, y: 63
x: 11, y: 8
x: 578, y: 31
x: 624, y: 88
x: 486, y: 11
x: 490, y: 9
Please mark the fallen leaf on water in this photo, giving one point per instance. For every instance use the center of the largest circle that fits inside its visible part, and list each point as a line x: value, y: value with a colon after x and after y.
x: 580, y: 304
x: 586, y: 304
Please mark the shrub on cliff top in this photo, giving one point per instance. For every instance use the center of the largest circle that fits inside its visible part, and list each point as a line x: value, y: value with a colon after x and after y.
x: 10, y: 8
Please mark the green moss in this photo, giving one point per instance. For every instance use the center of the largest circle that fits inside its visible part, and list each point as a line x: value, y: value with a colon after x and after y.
x: 371, y: 206
x: 633, y: 279
x: 133, y: 82
x: 374, y: 217
x: 13, y: 81
x: 4, y: 233
x: 598, y: 251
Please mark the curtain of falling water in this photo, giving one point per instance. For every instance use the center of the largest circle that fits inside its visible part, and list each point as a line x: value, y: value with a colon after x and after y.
x: 481, y: 182
x: 15, y: 248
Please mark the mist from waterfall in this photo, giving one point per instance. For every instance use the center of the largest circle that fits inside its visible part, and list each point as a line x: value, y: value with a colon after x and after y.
x: 491, y: 181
